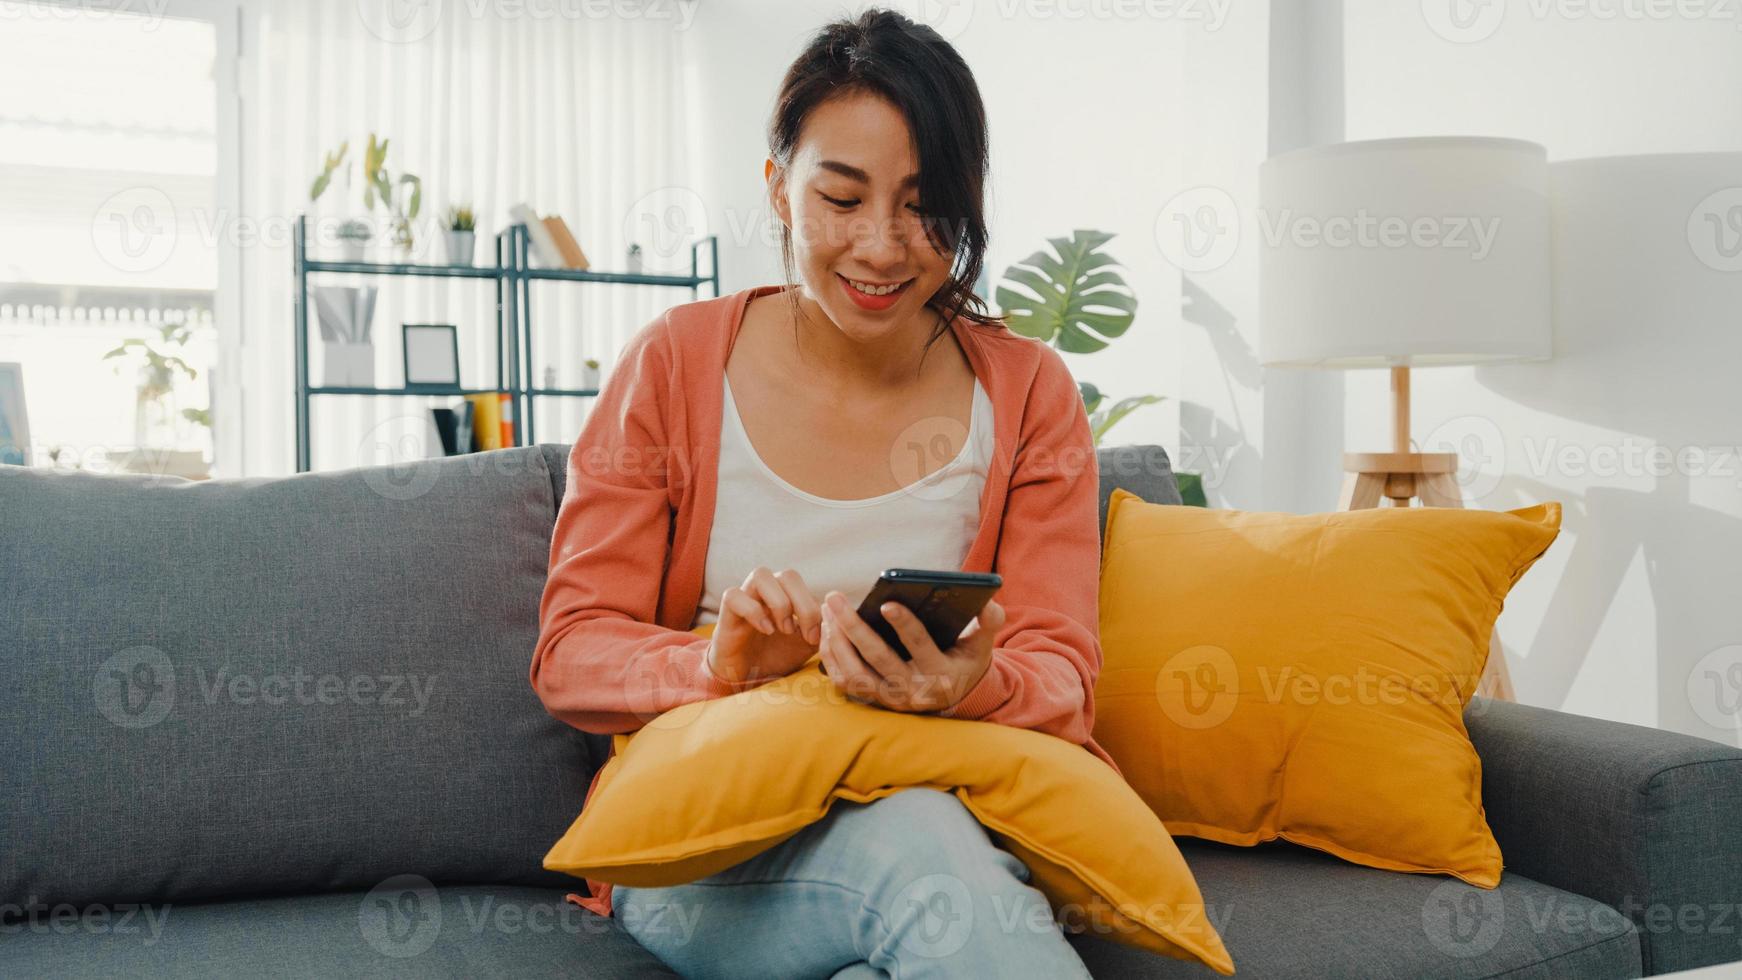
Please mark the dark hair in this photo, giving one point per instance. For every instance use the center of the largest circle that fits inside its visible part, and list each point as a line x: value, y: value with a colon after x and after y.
x: 883, y: 53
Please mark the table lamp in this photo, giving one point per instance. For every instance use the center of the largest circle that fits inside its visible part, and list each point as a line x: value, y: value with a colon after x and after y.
x: 1401, y: 253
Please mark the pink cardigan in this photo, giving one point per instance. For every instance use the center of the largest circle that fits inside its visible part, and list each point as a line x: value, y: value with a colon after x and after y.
x: 627, y: 554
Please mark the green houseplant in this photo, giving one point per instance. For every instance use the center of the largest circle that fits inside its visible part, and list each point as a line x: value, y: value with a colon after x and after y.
x: 461, y: 227
x: 400, y: 196
x: 1073, y: 298
x: 162, y: 429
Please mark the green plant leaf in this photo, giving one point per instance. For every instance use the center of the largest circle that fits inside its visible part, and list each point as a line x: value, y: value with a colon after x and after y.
x: 1092, y: 396
x: 1100, y: 423
x: 1070, y: 296
x: 1191, y: 489
x: 416, y: 194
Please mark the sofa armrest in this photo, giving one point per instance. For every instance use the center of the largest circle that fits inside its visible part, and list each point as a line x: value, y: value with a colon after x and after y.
x: 1647, y: 821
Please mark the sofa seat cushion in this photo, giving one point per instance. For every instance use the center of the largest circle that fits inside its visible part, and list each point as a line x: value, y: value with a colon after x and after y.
x: 1289, y: 911
x: 404, y: 928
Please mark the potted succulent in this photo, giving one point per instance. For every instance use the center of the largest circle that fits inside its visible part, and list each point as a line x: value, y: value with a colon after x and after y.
x: 461, y: 231
x: 590, y: 374
x: 354, y: 238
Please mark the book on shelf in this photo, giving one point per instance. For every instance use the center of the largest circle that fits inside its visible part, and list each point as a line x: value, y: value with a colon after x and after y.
x: 507, y: 404
x: 453, y: 425
x: 487, y: 421
x: 573, y: 257
x: 544, y: 247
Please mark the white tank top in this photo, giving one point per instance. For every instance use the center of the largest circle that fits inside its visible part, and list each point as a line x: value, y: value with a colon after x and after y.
x: 760, y: 519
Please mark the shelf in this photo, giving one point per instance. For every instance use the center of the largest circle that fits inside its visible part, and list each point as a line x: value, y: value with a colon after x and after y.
x: 407, y: 269
x: 514, y: 333
x: 492, y: 272
x: 630, y: 278
x: 438, y: 392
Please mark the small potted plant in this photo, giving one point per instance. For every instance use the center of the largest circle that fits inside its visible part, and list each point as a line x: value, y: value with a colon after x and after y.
x: 461, y: 234
x: 162, y: 429
x: 590, y: 374
x: 400, y: 196
x: 353, y: 236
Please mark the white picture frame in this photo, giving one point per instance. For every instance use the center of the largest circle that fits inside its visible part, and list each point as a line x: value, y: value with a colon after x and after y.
x: 432, y: 356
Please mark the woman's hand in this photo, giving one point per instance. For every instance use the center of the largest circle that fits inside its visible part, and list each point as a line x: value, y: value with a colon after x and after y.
x: 768, y: 627
x: 867, y: 669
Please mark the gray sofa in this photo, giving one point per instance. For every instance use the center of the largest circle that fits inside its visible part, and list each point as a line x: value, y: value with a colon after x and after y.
x: 282, y: 727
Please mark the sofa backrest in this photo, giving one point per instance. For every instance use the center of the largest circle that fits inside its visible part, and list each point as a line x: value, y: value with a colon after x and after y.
x: 312, y: 683
x: 260, y: 686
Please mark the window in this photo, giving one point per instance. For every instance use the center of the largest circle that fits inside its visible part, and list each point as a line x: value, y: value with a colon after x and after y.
x: 110, y: 156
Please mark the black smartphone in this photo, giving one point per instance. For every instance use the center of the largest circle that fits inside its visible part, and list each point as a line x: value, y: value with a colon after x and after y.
x: 946, y: 602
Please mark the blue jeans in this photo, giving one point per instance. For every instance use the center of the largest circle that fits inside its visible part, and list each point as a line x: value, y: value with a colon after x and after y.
x: 909, y: 886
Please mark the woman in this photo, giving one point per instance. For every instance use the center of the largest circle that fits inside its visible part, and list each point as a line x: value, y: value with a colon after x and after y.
x: 756, y: 460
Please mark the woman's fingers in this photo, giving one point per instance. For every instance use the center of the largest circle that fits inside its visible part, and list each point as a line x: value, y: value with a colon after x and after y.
x: 871, y: 648
x: 746, y: 607
x: 845, y: 669
x: 805, y: 608
x: 913, y: 636
x: 762, y: 584
x: 986, y: 625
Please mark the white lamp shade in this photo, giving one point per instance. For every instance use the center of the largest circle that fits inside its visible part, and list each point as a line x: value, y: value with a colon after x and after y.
x: 1405, y: 252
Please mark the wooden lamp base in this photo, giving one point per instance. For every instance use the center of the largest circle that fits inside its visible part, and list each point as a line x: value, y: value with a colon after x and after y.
x: 1401, y: 476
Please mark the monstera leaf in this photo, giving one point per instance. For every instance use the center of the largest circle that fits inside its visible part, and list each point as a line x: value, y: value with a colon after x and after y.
x: 1069, y: 298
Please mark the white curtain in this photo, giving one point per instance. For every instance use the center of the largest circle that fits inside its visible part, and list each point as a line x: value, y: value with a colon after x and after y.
x: 574, y: 109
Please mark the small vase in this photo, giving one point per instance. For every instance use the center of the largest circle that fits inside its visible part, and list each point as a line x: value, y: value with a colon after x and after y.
x: 590, y: 377
x: 352, y: 249
x: 460, y: 247
x: 155, y: 410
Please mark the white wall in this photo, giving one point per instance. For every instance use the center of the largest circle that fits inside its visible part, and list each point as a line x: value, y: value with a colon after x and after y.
x: 1633, y: 614
x: 1154, y: 129
x: 1096, y: 122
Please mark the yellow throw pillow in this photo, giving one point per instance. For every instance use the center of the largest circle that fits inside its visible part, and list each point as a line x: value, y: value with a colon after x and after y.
x: 710, y: 784
x: 1305, y: 676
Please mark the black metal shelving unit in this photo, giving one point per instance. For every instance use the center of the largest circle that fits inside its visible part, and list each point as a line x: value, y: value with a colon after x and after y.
x: 514, y: 276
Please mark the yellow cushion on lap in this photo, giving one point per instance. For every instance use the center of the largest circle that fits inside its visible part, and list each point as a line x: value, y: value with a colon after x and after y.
x: 708, y: 785
x: 1305, y: 676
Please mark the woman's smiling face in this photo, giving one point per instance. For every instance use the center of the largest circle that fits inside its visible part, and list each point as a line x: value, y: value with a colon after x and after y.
x: 851, y: 199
